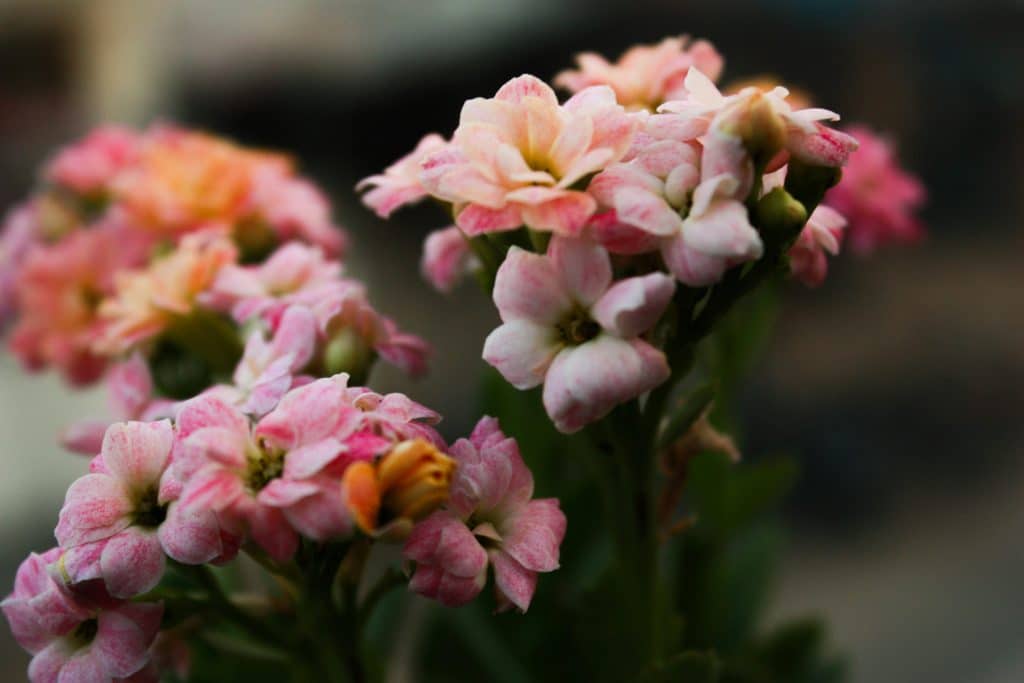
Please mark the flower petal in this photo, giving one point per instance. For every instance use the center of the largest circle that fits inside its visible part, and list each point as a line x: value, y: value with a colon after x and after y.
x: 632, y: 306
x: 522, y: 351
x: 528, y: 286
x: 132, y: 562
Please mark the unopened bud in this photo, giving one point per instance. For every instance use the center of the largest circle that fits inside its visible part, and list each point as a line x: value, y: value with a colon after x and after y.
x: 779, y: 216
x: 347, y: 351
x: 405, y: 485
x: 754, y: 120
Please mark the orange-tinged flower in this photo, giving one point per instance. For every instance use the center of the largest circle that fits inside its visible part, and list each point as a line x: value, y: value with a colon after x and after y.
x: 147, y: 301
x: 185, y: 180
x: 404, y: 486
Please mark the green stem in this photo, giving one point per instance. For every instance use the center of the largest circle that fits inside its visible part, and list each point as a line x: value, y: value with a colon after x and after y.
x: 226, y: 608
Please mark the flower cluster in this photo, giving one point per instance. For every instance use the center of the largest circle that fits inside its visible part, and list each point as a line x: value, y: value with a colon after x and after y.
x: 181, y: 249
x: 590, y: 216
x: 325, y: 462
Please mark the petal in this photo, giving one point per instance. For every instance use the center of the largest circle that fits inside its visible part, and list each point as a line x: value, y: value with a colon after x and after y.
x: 632, y: 306
x: 137, y: 452
x: 521, y: 87
x: 572, y: 142
x: 308, y: 459
x: 190, y: 536
x: 96, y: 506
x: 522, y: 351
x: 132, y: 563
x: 533, y: 536
x: 724, y: 230
x: 475, y: 219
x: 692, y: 267
x: 269, y: 528
x: 608, y: 182
x: 513, y: 582
x: 565, y: 215
x: 216, y: 444
x: 444, y: 540
x: 212, y: 487
x: 583, y: 266
x: 647, y: 211
x: 586, y: 382
x: 84, y: 437
x: 209, y: 411
x: 448, y: 589
x: 120, y: 644
x: 46, y: 666
x: 529, y: 286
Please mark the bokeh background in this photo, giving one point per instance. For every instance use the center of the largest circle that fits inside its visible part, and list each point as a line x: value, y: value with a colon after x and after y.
x: 898, y: 384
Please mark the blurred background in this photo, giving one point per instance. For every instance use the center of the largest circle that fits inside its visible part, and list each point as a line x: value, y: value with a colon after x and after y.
x: 898, y: 383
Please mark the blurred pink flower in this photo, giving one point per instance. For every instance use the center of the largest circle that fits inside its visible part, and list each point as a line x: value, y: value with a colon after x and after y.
x: 489, y: 519
x: 119, y: 521
x: 295, y: 209
x: 89, y: 165
x: 446, y: 258
x: 515, y: 158
x: 566, y: 325
x: 60, y: 291
x: 73, y: 640
x: 400, y: 184
x: 18, y: 234
x: 645, y: 75
x: 822, y: 235
x: 877, y: 196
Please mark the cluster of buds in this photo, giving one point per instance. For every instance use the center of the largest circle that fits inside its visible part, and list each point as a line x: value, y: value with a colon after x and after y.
x: 591, y: 216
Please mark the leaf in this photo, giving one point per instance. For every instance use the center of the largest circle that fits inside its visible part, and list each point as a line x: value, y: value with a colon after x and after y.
x: 684, y: 667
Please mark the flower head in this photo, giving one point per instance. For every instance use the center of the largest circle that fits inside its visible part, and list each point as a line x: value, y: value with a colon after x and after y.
x: 566, y: 325
x: 74, y: 638
x: 489, y: 520
x: 89, y: 166
x: 645, y: 75
x: 820, y: 237
x: 119, y: 521
x: 61, y: 288
x: 516, y: 157
x: 147, y: 301
x: 877, y: 195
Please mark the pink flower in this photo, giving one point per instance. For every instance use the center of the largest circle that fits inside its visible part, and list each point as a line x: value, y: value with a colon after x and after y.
x: 268, y: 368
x: 400, y: 184
x: 877, y: 196
x: 19, y: 233
x: 90, y: 165
x: 702, y: 226
x: 72, y: 639
x: 489, y: 520
x: 446, y: 258
x: 296, y: 209
x: 394, y: 417
x: 566, y: 325
x: 130, y: 397
x: 515, y: 157
x: 60, y: 291
x: 276, y: 478
x: 759, y: 121
x: 822, y: 234
x: 645, y: 75
x: 119, y: 521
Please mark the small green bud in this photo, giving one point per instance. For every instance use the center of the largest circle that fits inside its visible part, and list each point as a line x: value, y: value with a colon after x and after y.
x: 347, y: 351
x: 779, y: 216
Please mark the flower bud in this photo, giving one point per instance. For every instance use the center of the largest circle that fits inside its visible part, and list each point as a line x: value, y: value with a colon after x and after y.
x: 779, y: 216
x: 402, y: 487
x: 755, y: 120
x: 347, y: 351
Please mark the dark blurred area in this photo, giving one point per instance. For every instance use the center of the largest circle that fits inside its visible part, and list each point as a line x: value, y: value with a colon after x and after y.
x: 897, y: 383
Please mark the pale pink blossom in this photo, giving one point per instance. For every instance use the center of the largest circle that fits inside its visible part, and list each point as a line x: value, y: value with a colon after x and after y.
x: 701, y: 225
x: 276, y: 478
x: 821, y: 236
x: 60, y: 291
x: 296, y: 209
x: 515, y: 158
x: 119, y: 521
x: 759, y: 118
x: 394, y: 417
x: 130, y: 396
x: 877, y: 195
x: 568, y: 326
x: 268, y: 368
x: 447, y: 258
x: 489, y: 520
x: 77, y: 639
x: 89, y: 165
x: 399, y: 185
x: 645, y: 75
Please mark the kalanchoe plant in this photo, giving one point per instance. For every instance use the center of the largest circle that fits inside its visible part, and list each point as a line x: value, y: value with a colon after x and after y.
x: 628, y: 237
